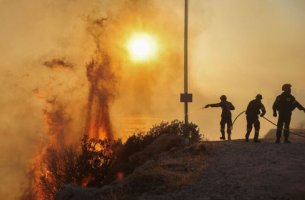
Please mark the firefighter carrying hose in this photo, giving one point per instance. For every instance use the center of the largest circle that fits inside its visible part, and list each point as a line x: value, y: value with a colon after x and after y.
x: 284, y: 104
x: 226, y: 116
x: 255, y: 108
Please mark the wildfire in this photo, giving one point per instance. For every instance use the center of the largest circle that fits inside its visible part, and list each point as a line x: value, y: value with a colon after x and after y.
x: 120, y: 176
x: 50, y: 164
x: 101, y: 93
x: 87, y: 180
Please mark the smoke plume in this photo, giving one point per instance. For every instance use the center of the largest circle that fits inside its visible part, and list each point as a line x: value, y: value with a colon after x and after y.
x: 102, y: 87
x: 58, y: 63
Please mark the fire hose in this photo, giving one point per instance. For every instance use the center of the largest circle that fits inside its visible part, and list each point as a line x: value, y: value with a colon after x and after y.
x: 271, y: 122
x: 237, y: 118
x: 294, y: 133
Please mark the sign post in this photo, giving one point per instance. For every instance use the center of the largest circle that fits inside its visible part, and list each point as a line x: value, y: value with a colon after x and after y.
x: 186, y: 97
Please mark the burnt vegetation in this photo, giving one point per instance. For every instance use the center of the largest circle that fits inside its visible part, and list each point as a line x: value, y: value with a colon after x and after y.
x: 99, y: 162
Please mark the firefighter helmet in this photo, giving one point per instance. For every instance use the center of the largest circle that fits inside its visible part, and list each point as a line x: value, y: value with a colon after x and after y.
x: 286, y: 87
x: 223, y: 97
x: 259, y: 96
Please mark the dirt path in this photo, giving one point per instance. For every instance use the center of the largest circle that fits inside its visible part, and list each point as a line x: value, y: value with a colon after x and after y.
x: 248, y: 171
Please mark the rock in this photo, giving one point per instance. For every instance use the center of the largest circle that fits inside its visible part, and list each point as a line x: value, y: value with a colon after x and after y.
x: 74, y: 192
x: 163, y: 143
x: 196, y: 149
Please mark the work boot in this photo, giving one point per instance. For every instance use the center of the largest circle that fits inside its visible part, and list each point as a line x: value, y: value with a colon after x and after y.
x: 287, y: 141
x: 247, y: 137
x: 223, y: 137
x: 256, y: 141
x: 277, y: 141
x: 256, y: 134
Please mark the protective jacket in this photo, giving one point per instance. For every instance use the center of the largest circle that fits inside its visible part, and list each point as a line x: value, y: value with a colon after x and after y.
x: 226, y: 107
x: 285, y: 103
x: 255, y: 108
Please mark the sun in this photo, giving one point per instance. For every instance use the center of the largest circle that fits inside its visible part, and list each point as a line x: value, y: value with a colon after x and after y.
x: 142, y: 47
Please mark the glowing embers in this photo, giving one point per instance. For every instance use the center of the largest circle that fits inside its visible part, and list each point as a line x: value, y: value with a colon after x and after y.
x: 142, y: 47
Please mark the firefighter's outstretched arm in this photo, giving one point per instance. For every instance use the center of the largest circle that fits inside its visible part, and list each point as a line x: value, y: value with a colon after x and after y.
x: 299, y: 106
x: 212, y: 105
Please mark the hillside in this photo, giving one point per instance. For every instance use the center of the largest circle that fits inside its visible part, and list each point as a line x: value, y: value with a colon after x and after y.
x: 212, y: 171
x: 248, y: 171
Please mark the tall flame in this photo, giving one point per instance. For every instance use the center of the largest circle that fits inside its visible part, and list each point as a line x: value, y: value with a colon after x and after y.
x: 101, y: 87
x: 102, y: 81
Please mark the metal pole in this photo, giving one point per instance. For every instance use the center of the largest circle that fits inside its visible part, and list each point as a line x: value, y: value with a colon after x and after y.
x: 186, y: 60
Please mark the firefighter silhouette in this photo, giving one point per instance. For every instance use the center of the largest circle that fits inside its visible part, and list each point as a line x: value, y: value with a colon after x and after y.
x: 284, y: 104
x: 226, y: 116
x: 255, y: 108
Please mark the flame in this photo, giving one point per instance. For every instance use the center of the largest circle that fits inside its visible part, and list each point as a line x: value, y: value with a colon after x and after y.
x: 120, y: 176
x: 100, y: 76
x: 43, y: 183
x: 48, y: 165
x: 87, y: 180
x: 102, y: 87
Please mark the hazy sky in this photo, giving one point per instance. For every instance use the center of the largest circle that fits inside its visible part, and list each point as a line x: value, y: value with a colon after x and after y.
x: 237, y: 47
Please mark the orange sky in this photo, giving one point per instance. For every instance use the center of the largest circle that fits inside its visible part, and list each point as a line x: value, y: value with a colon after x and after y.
x: 237, y: 47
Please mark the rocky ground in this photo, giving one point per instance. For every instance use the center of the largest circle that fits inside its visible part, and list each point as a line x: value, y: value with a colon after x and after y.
x: 224, y: 170
x: 246, y: 171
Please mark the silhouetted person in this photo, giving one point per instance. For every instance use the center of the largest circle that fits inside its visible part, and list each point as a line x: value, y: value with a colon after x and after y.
x: 226, y: 116
x: 285, y: 103
x: 255, y: 108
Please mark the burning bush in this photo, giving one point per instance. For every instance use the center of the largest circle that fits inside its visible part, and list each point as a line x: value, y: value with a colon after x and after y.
x: 85, y: 166
x: 98, y: 162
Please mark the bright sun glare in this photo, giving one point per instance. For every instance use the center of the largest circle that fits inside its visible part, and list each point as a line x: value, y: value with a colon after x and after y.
x: 141, y: 47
